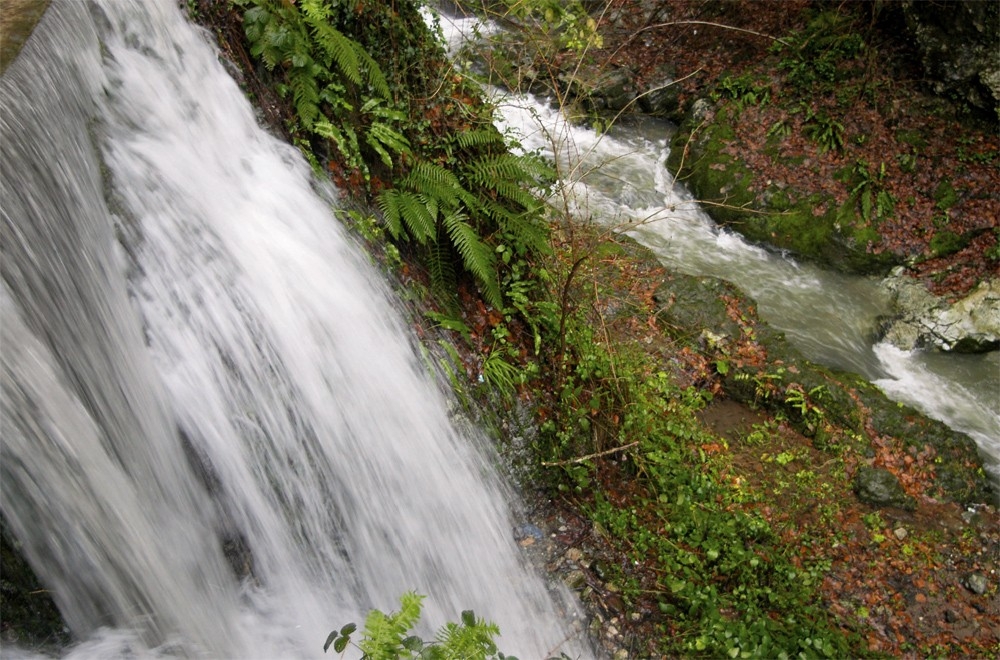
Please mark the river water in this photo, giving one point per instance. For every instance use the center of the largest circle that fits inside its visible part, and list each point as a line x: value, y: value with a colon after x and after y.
x: 619, y: 179
x: 197, y: 357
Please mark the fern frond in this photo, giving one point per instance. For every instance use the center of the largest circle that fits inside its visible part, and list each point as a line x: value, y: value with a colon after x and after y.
x: 402, y: 209
x: 388, y: 204
x: 441, y: 268
x: 373, y: 72
x: 305, y: 94
x: 382, y: 137
x: 529, y: 233
x: 477, y: 257
x: 427, y: 175
x: 471, y: 639
x: 336, y: 47
x: 488, y: 170
x: 384, y: 633
x: 436, y: 182
x: 479, y: 138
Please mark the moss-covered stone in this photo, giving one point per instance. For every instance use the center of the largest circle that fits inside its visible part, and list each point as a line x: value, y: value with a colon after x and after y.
x: 812, y: 226
x: 17, y: 20
x: 30, y: 617
x: 881, y: 488
x: 691, y: 304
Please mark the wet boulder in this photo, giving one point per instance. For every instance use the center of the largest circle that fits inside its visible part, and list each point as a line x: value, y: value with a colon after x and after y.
x: 971, y: 325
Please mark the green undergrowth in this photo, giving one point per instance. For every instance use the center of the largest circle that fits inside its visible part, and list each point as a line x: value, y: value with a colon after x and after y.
x: 724, y: 584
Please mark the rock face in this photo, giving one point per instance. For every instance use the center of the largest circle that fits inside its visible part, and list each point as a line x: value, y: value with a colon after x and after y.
x: 971, y: 325
x: 958, y: 46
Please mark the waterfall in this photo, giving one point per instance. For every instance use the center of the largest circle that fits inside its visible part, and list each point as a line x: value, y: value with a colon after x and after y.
x: 200, y: 369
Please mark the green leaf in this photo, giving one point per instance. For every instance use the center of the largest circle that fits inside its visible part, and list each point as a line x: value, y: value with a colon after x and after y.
x: 413, y: 643
x: 329, y: 640
x: 469, y: 618
x: 341, y: 644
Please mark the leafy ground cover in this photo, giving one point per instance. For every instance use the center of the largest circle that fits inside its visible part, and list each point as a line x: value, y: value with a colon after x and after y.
x: 712, y: 528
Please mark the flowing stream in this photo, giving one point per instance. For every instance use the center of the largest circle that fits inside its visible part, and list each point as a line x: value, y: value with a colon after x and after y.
x: 201, y: 370
x: 619, y: 178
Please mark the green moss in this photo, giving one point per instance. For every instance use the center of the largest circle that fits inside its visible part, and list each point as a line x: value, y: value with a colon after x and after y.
x: 911, y: 137
x: 17, y: 21
x: 945, y: 195
x: 946, y: 242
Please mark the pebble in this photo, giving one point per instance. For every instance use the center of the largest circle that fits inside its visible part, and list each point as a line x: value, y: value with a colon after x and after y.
x: 528, y: 531
x: 900, y: 533
x: 976, y: 583
x: 575, y: 579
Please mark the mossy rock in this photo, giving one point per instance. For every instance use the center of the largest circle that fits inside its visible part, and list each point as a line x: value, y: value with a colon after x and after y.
x: 688, y: 305
x: 881, y: 488
x: 811, y: 226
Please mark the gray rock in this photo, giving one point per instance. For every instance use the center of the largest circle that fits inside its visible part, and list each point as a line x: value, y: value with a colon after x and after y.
x: 971, y: 325
x: 976, y: 583
x: 881, y: 488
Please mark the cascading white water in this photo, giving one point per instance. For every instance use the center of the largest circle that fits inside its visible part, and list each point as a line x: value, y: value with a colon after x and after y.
x: 194, y: 353
x: 620, y: 179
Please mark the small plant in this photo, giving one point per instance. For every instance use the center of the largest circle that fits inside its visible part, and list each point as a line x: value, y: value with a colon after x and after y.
x: 743, y: 90
x: 826, y: 132
x: 816, y: 56
x: 805, y: 404
x: 388, y: 636
x: 873, y: 521
x: 876, y: 202
x: 780, y: 129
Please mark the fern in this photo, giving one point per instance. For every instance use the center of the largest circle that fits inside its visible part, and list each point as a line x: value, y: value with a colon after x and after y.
x: 373, y: 72
x: 471, y: 639
x: 381, y: 136
x: 385, y: 634
x: 479, y: 138
x: 441, y: 268
x: 386, y: 637
x: 305, y: 95
x: 477, y: 257
x: 408, y: 214
x: 335, y: 46
x: 436, y: 181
